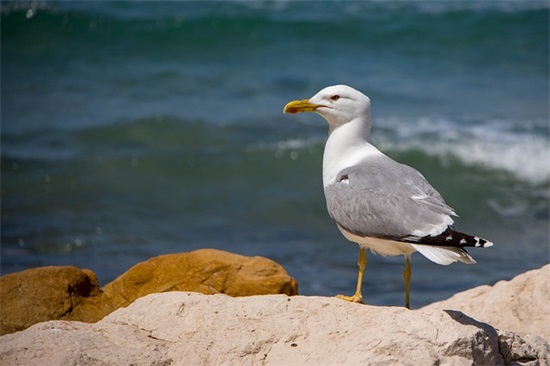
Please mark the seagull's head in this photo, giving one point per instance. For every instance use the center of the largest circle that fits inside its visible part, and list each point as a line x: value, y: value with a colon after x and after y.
x: 338, y: 104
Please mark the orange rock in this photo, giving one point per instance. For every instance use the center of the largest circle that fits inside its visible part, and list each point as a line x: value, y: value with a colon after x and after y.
x: 208, y: 271
x: 47, y: 293
x: 68, y: 293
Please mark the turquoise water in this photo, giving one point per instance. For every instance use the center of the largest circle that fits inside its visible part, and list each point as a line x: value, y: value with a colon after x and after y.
x: 131, y: 130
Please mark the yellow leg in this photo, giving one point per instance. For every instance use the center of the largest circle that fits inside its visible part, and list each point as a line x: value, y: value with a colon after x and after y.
x: 362, y: 263
x: 407, y: 276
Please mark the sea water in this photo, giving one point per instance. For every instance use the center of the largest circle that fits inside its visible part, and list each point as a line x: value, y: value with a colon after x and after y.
x: 135, y: 129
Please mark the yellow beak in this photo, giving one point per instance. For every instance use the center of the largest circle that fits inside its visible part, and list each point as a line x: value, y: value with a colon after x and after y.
x: 297, y: 106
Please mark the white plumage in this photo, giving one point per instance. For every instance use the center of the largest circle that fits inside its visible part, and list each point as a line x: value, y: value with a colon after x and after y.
x: 376, y: 202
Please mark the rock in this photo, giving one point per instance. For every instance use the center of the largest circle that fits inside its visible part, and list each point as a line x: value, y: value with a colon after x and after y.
x: 46, y: 293
x: 180, y: 328
x: 520, y: 305
x: 207, y: 271
x: 524, y: 350
x: 68, y: 293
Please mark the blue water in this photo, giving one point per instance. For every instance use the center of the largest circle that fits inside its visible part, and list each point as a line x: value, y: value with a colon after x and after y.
x: 131, y: 130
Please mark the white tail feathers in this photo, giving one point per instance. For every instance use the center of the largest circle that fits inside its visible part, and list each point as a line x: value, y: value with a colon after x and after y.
x: 444, y: 255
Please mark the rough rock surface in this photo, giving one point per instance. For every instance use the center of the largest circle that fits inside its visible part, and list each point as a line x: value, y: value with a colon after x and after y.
x: 68, y: 293
x: 47, y: 293
x: 180, y: 328
x: 207, y: 271
x: 520, y: 305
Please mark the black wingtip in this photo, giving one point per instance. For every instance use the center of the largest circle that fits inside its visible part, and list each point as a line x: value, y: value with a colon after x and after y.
x: 452, y: 238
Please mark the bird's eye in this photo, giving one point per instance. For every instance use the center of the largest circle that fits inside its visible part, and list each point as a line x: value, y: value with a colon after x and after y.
x: 335, y: 97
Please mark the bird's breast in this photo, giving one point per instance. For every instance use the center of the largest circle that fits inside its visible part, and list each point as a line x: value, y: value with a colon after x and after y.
x: 337, y: 159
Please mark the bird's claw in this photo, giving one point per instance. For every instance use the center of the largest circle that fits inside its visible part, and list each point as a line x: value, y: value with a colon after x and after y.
x: 357, y: 298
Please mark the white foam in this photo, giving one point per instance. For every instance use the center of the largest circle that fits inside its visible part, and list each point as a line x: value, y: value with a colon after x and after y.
x: 495, y: 144
x: 295, y: 144
x: 507, y: 145
x: 290, y: 148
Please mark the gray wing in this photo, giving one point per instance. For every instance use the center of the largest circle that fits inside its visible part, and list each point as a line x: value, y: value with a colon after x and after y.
x: 382, y: 198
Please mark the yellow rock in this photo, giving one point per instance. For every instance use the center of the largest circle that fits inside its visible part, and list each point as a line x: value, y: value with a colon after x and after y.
x: 207, y: 271
x: 47, y: 293
x: 68, y: 293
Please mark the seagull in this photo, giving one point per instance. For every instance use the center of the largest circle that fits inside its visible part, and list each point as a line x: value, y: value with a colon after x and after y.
x: 376, y: 202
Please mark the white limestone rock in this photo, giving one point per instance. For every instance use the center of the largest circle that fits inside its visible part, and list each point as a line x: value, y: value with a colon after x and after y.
x: 520, y: 305
x: 181, y: 328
